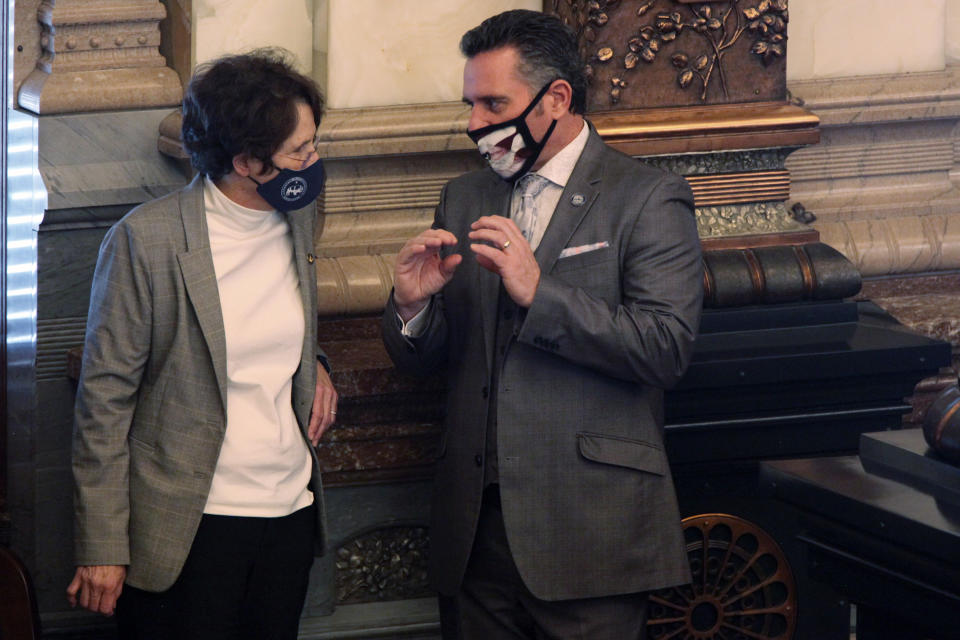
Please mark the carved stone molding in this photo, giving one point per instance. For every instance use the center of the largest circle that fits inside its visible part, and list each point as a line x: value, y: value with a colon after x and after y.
x: 354, y: 284
x: 897, y: 245
x: 99, y: 55
x: 884, y: 182
x: 383, y: 131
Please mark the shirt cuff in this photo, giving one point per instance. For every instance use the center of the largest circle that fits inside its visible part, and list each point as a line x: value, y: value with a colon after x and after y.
x: 414, y: 328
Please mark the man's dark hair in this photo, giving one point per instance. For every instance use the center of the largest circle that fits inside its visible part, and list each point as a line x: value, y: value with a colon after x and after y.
x: 244, y: 104
x: 547, y: 47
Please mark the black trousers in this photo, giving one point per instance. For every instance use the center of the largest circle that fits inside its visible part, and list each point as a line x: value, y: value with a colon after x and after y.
x: 495, y: 604
x: 244, y: 578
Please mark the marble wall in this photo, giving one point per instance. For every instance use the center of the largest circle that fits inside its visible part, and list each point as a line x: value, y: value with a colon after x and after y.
x: 952, y: 22
x: 363, y: 52
x: 830, y: 39
x: 233, y: 26
x: 401, y: 52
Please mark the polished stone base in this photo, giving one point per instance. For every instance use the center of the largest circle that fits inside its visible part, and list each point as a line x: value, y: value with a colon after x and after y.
x: 926, y: 303
x: 906, y: 457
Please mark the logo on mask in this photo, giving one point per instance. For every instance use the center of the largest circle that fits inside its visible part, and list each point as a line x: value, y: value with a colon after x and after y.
x: 293, y: 189
x: 290, y: 189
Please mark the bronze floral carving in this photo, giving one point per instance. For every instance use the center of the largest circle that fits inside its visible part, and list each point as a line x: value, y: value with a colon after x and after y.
x: 709, y: 29
x: 769, y: 22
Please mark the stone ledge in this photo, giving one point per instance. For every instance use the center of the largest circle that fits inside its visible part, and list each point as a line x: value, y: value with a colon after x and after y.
x: 884, y: 98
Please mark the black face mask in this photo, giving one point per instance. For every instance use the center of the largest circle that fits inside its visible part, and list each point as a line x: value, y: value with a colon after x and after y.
x: 513, y: 152
x: 290, y: 190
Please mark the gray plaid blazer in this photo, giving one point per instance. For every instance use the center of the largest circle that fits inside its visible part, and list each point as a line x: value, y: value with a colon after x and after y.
x: 151, y: 403
x: 588, y: 501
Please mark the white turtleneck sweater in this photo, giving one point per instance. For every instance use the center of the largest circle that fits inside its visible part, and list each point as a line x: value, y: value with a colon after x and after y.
x: 264, y: 464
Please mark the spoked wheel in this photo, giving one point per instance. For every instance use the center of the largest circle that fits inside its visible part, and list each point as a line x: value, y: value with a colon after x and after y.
x: 742, y: 586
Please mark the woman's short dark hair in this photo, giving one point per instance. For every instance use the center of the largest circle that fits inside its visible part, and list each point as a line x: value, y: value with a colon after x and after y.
x: 244, y: 104
x: 547, y: 47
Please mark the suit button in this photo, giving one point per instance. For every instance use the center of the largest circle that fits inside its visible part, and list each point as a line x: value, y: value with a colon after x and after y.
x: 478, y: 459
x: 485, y: 392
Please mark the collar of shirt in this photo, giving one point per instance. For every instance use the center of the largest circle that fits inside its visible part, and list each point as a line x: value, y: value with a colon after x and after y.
x: 232, y: 217
x: 558, y: 168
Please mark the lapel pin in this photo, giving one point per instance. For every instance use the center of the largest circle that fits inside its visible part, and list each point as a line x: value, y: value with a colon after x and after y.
x: 577, y: 199
x: 311, y: 258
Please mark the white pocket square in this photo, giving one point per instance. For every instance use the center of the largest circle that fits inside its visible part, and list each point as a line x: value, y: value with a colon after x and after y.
x: 584, y: 248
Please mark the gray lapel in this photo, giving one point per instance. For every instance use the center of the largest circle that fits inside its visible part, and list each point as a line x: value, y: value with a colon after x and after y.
x: 200, y: 280
x: 585, y: 182
x: 496, y: 201
x: 301, y: 224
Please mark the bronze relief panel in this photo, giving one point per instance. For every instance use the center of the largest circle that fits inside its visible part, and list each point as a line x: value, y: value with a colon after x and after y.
x: 658, y: 53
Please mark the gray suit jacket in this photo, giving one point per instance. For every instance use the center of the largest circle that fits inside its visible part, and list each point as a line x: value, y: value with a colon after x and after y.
x: 151, y: 403
x: 588, y: 500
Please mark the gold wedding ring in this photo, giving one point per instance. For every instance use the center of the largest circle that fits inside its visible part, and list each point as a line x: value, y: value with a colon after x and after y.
x: 505, y: 245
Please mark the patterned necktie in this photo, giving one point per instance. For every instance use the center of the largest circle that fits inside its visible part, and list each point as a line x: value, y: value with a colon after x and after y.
x: 529, y: 187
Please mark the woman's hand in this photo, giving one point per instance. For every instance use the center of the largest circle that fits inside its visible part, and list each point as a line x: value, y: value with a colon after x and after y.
x: 324, y: 412
x: 98, y: 587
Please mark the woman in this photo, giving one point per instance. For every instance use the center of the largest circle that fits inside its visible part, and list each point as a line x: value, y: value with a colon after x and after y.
x: 198, y: 497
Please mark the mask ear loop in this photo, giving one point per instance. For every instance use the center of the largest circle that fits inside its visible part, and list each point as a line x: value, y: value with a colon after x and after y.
x: 528, y: 136
x: 476, y: 134
x: 537, y: 98
x: 529, y: 162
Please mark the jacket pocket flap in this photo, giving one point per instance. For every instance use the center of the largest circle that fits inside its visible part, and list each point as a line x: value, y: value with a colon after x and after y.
x: 585, y: 259
x: 623, y: 452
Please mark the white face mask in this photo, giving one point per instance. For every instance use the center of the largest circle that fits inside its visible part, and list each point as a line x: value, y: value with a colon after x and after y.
x: 505, y: 150
x: 509, y: 146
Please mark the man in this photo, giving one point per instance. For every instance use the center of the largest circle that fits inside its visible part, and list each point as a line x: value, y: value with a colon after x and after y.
x: 561, y: 288
x: 198, y: 497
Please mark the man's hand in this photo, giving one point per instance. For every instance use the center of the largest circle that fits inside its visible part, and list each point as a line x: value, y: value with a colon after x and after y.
x: 324, y: 412
x: 510, y: 257
x: 420, y: 272
x: 98, y: 587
